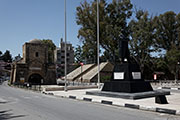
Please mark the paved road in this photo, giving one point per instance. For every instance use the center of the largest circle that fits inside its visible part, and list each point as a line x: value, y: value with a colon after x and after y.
x: 18, y: 104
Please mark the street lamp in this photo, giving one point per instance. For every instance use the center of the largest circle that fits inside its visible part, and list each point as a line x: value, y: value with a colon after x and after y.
x: 65, y: 29
x: 81, y: 71
x: 65, y: 88
x: 98, y: 43
x: 177, y: 72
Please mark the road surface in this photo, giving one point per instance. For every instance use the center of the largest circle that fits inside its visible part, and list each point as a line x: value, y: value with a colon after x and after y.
x: 19, y: 104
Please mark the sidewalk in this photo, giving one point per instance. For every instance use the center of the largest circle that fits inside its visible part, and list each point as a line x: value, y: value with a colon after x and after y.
x: 144, y: 104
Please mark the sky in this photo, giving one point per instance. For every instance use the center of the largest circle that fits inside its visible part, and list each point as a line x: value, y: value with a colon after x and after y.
x: 24, y: 20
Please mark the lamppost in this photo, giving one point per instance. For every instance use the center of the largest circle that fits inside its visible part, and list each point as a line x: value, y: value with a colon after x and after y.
x: 65, y: 88
x: 98, y: 43
x: 81, y: 72
x: 65, y: 29
x: 42, y: 81
x: 177, y: 72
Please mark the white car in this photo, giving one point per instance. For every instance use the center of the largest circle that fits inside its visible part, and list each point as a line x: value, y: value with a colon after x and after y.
x: 60, y: 82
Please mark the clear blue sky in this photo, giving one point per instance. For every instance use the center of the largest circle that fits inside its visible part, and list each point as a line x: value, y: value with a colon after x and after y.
x: 23, y: 20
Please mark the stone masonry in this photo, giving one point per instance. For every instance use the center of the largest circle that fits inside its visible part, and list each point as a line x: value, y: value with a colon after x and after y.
x: 34, y: 67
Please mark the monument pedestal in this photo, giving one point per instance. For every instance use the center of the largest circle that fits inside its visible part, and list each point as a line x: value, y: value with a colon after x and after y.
x: 127, y: 78
x: 158, y: 94
x: 127, y: 86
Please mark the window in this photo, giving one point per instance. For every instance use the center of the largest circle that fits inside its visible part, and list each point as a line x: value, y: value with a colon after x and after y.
x: 58, y: 54
x: 37, y: 54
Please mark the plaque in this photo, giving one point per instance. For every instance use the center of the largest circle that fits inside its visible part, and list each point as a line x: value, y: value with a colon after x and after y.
x: 136, y: 75
x: 118, y: 75
x: 22, y: 78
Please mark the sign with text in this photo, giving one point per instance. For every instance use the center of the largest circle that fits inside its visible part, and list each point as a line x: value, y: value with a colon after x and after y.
x: 136, y: 75
x: 22, y: 80
x: 118, y: 75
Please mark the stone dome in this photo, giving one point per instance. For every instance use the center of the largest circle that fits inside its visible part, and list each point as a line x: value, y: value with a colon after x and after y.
x: 37, y: 41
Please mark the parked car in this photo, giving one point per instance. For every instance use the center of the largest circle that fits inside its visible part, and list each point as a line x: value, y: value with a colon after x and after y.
x: 60, y: 82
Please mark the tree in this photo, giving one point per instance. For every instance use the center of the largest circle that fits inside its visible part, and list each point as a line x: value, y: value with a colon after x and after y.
x: 172, y: 59
x: 166, y: 30
x: 178, y: 29
x: 118, y: 12
x: 6, y: 57
x: 168, y: 38
x: 160, y: 65
x: 78, y: 54
x: 51, y: 48
x: 113, y: 25
x: 86, y: 18
x: 142, y: 39
x: 0, y: 55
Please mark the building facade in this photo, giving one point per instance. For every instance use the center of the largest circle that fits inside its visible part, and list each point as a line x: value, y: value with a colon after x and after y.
x: 34, y: 67
x: 59, y: 57
x: 4, y: 70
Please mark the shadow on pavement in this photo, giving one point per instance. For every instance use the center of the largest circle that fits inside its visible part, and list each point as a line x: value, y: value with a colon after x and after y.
x: 5, y: 115
x: 3, y: 102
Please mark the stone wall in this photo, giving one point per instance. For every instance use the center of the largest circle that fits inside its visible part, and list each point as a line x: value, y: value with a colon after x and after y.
x: 34, y: 62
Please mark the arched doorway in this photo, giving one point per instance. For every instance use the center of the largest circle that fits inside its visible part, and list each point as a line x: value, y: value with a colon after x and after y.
x: 35, y: 79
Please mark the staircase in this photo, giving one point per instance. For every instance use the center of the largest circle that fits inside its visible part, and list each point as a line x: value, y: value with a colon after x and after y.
x: 77, y: 72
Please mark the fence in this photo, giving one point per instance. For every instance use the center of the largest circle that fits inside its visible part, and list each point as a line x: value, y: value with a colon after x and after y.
x: 73, y: 83
x: 166, y: 83
x: 32, y: 87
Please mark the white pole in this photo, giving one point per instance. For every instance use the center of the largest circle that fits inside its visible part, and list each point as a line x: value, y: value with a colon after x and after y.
x: 98, y: 43
x: 65, y: 87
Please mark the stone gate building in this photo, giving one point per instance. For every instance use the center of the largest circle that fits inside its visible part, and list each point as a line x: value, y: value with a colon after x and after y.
x: 34, y: 67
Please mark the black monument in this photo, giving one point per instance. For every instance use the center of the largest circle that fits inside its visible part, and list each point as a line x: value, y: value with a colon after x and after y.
x: 126, y: 76
x: 127, y: 81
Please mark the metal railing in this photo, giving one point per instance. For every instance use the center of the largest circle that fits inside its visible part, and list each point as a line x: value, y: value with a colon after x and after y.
x: 80, y: 84
x: 165, y: 83
x: 30, y: 87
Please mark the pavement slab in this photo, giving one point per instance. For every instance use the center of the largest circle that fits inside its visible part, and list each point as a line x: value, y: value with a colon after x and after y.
x: 147, y: 104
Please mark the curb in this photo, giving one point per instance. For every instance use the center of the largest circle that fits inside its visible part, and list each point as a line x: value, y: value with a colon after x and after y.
x: 127, y: 105
x: 131, y: 106
x: 72, y: 97
x: 169, y: 111
x: 169, y: 88
x: 106, y: 102
x: 87, y: 99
